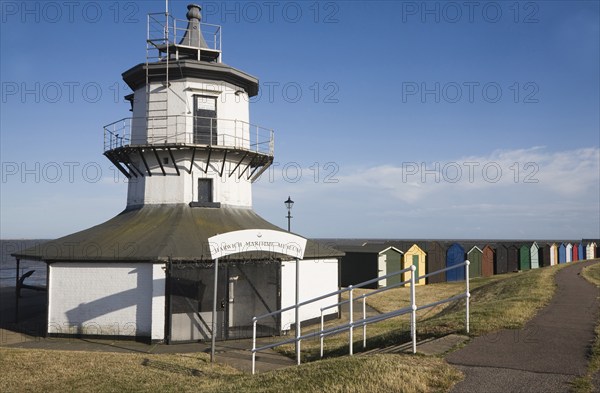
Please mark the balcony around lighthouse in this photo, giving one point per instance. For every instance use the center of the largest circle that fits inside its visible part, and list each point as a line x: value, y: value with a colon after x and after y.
x: 207, y: 140
x: 184, y: 38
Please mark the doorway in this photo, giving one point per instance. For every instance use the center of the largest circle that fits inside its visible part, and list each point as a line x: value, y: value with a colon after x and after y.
x: 205, y: 120
x: 245, y: 290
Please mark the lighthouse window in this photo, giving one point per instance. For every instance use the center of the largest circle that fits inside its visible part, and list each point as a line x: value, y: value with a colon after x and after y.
x: 205, y: 190
x: 205, y: 195
x: 205, y: 120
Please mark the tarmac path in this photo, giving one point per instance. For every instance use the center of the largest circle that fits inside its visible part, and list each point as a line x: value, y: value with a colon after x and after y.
x: 543, y: 356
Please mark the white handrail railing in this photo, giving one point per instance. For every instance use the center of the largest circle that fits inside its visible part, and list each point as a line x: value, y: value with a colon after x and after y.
x: 322, y: 332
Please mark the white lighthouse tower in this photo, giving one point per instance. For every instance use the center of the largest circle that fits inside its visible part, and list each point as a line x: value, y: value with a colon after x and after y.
x: 190, y: 139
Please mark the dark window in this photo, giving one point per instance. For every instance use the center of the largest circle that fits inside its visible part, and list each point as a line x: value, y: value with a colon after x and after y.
x: 205, y: 190
x: 205, y: 120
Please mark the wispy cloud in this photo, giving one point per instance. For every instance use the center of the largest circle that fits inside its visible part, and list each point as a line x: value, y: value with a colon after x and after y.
x: 529, y: 192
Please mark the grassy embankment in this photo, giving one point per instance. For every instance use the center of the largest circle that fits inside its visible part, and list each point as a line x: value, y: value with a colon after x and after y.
x: 51, y: 371
x: 498, y: 302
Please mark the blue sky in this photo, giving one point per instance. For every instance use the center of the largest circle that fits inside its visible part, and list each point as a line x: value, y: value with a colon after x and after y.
x: 392, y: 119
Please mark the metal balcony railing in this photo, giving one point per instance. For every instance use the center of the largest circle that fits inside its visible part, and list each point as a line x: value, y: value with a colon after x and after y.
x: 164, y: 29
x: 188, y: 130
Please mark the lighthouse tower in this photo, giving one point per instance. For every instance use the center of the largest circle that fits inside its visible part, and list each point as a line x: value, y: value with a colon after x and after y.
x: 190, y: 139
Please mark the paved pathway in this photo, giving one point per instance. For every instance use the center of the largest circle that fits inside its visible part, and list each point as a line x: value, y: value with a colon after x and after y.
x: 543, y: 356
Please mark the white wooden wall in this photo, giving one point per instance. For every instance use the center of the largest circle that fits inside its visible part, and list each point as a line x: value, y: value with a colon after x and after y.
x: 122, y: 299
x: 317, y: 277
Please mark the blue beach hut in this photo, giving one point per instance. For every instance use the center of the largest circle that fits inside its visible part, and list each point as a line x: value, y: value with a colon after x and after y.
x: 562, y: 253
x: 455, y: 255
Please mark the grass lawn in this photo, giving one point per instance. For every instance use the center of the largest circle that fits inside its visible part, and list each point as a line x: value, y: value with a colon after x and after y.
x: 584, y: 384
x: 52, y: 371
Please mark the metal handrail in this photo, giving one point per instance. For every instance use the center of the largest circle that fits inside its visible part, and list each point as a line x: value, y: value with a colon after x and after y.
x: 322, y: 332
x: 189, y: 130
x: 165, y: 28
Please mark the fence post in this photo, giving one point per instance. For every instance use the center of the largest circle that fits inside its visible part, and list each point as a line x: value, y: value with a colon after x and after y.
x: 364, y: 324
x: 467, y: 294
x: 351, y: 307
x: 253, y: 345
x: 322, y: 336
x: 413, y: 306
x: 298, y: 324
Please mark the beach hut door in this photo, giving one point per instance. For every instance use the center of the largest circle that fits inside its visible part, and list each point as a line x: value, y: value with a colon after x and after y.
x: 415, y: 261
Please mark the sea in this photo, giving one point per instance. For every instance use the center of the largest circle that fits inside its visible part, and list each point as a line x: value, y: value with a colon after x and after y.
x: 8, y: 263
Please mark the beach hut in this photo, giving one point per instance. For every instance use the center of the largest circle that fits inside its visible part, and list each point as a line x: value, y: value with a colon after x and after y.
x: 475, y: 257
x: 525, y: 257
x: 415, y: 256
x: 487, y: 261
x: 568, y: 252
x: 513, y: 258
x: 455, y: 255
x: 435, y: 260
x: 562, y: 253
x: 544, y: 255
x: 553, y: 254
x: 369, y: 261
x: 534, y: 255
x: 575, y: 252
x: 501, y: 262
x: 591, y: 250
x: 581, y: 251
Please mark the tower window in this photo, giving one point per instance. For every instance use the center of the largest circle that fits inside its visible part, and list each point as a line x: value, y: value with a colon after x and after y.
x: 205, y: 194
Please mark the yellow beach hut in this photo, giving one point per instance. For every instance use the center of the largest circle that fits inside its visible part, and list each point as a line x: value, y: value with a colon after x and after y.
x: 416, y: 256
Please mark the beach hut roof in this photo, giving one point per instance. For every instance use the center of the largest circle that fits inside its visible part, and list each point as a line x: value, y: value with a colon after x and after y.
x: 369, y: 248
x: 475, y: 248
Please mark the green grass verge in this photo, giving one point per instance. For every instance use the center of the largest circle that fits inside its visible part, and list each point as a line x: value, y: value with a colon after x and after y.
x: 584, y: 383
x: 53, y: 371
x: 505, y: 301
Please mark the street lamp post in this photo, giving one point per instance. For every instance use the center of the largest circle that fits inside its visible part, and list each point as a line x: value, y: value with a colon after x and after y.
x: 289, y: 204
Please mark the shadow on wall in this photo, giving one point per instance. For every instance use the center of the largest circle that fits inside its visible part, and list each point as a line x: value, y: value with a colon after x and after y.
x: 81, y: 319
